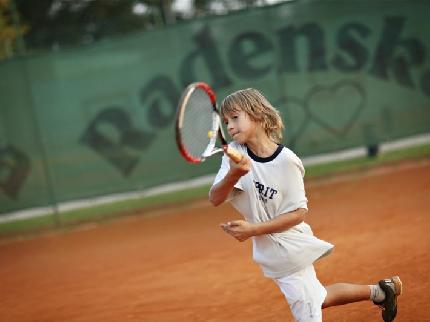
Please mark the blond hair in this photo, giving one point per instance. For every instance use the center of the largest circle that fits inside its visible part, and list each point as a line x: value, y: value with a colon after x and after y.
x: 258, y: 108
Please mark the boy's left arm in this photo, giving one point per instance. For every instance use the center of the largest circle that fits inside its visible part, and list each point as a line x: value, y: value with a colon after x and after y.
x: 242, y: 230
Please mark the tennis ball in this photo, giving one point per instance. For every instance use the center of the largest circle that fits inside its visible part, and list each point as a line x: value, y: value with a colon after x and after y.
x: 210, y: 134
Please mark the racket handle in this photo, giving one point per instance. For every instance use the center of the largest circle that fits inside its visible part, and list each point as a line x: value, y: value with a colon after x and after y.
x: 233, y: 154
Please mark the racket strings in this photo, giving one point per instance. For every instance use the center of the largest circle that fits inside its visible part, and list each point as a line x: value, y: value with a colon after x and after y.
x: 197, y: 123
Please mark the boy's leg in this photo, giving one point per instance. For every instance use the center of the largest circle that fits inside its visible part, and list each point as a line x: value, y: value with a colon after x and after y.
x: 344, y: 293
x: 384, y: 294
x: 304, y: 293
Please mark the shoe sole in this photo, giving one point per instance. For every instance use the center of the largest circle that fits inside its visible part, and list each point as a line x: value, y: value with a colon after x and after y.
x: 398, y: 286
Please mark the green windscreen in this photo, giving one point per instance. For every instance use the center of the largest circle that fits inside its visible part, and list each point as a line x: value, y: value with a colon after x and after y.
x: 100, y: 120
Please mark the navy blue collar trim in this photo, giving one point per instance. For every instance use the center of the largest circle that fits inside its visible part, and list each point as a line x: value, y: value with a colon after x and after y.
x: 266, y: 159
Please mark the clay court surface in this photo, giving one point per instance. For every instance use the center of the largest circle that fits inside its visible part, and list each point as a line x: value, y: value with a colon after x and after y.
x: 176, y: 264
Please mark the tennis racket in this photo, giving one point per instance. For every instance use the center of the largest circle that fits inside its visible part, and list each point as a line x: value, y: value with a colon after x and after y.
x: 198, y: 125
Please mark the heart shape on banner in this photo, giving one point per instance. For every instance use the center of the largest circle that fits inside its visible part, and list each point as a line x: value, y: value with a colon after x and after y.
x: 336, y: 108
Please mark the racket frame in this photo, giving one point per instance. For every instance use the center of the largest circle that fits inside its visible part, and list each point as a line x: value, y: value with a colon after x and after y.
x: 211, y: 148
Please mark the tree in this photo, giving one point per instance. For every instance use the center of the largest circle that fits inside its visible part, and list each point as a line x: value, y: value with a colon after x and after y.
x: 63, y: 23
x: 54, y: 24
x: 10, y: 30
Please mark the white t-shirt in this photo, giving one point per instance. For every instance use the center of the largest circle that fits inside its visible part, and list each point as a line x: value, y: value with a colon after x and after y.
x: 272, y: 187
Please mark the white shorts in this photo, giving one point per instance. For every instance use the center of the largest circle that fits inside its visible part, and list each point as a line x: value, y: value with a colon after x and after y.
x: 304, y: 293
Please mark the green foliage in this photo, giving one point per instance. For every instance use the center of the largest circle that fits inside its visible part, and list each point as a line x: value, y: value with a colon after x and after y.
x: 55, y: 24
x: 10, y: 30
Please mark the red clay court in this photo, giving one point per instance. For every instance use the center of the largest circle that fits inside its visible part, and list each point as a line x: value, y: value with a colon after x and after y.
x: 176, y: 264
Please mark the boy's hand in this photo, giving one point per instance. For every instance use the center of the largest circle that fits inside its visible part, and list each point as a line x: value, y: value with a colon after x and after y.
x: 241, y: 168
x: 239, y: 229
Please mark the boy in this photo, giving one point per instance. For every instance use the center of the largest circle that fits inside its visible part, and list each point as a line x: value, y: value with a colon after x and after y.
x: 267, y: 188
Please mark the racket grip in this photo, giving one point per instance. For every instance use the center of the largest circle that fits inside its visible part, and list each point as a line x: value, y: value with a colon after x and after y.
x: 233, y: 154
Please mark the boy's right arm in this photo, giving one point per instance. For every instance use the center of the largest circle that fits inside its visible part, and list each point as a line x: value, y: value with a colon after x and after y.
x: 221, y: 190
